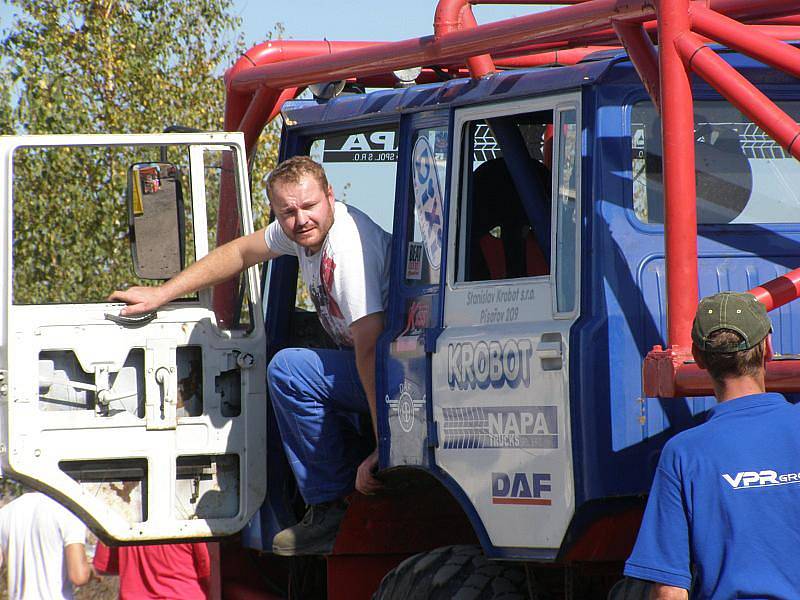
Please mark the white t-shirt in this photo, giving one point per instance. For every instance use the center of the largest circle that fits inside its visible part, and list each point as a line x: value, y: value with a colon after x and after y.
x: 34, y: 531
x: 349, y: 277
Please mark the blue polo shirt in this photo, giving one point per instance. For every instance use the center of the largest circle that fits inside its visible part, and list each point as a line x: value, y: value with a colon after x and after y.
x: 725, y: 505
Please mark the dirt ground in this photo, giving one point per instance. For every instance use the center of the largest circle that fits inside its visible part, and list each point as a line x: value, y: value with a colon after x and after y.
x: 105, y: 589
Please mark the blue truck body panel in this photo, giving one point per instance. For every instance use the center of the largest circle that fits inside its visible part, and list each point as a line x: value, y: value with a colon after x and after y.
x: 616, y: 433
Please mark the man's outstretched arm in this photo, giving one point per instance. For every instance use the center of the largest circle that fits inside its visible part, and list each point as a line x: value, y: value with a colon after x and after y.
x: 366, y: 331
x: 219, y: 265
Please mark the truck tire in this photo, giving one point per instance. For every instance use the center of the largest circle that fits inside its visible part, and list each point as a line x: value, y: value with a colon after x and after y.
x: 453, y: 573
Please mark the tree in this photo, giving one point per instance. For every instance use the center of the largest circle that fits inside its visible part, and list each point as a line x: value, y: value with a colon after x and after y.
x: 119, y: 66
x: 110, y: 66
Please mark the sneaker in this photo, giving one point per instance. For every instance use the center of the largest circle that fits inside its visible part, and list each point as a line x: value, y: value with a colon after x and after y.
x: 315, y: 534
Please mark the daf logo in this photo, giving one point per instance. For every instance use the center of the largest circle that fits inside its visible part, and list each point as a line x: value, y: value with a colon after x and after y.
x: 521, y: 488
x: 405, y: 406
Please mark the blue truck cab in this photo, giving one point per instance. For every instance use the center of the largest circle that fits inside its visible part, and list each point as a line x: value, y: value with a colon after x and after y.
x: 528, y: 284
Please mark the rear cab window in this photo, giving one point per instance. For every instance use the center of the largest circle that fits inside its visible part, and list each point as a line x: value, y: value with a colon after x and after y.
x: 743, y: 176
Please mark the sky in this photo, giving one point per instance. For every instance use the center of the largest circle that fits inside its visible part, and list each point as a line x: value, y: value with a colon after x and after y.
x: 385, y: 20
x: 354, y: 20
x: 337, y: 20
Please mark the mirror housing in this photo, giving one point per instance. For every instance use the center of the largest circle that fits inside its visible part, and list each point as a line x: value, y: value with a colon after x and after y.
x: 155, y: 215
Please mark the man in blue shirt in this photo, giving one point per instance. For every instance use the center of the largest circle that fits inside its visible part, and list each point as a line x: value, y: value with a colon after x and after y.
x: 723, y: 516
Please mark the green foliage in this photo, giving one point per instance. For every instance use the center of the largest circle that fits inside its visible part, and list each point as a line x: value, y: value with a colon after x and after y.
x: 104, y: 66
x: 9, y: 489
x: 119, y: 67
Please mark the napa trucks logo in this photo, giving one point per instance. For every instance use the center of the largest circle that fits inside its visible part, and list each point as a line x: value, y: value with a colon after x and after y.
x: 468, y: 427
x: 521, y: 488
x: 760, y: 479
x: 368, y: 147
x: 484, y: 364
x: 428, y: 200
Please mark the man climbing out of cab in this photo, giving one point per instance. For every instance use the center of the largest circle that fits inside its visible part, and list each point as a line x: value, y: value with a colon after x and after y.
x: 343, y: 257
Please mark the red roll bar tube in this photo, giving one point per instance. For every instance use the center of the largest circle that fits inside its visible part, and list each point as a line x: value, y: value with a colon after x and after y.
x: 643, y: 55
x: 680, y: 216
x: 452, y: 15
x: 779, y: 291
x: 740, y: 92
x: 270, y: 73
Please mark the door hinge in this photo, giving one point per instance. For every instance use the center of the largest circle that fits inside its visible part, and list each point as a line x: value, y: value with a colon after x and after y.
x: 3, y: 383
x: 431, y: 335
x: 433, y: 434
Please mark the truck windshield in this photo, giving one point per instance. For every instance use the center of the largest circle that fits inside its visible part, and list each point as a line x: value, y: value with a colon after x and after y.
x: 743, y: 175
x: 361, y: 166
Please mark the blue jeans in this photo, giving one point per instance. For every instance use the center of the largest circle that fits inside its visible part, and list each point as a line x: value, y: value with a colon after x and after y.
x: 317, y: 397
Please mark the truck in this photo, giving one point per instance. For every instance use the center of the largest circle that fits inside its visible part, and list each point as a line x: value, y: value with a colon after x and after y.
x: 561, y: 188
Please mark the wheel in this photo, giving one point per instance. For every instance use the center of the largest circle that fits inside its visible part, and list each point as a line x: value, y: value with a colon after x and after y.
x: 453, y: 573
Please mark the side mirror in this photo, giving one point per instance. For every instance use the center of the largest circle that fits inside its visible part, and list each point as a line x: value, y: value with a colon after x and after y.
x: 155, y: 214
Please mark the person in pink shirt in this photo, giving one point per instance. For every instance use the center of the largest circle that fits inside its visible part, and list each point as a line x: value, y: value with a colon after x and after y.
x: 157, y: 572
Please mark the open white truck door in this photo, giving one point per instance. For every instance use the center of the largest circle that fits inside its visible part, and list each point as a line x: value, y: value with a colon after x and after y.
x: 147, y: 429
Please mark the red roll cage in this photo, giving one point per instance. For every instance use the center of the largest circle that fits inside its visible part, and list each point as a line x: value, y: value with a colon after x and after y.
x: 273, y: 72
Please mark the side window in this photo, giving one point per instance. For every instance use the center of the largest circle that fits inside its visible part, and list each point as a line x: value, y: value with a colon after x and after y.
x: 361, y: 167
x: 566, y: 207
x: 742, y: 175
x: 504, y: 215
x: 74, y: 237
x: 71, y: 228
x: 219, y: 179
x: 425, y: 211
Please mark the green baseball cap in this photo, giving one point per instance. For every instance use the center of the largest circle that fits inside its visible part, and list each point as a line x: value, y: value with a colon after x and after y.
x: 737, y: 311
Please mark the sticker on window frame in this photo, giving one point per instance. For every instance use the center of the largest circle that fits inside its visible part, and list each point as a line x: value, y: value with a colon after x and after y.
x: 414, y: 261
x: 428, y: 200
